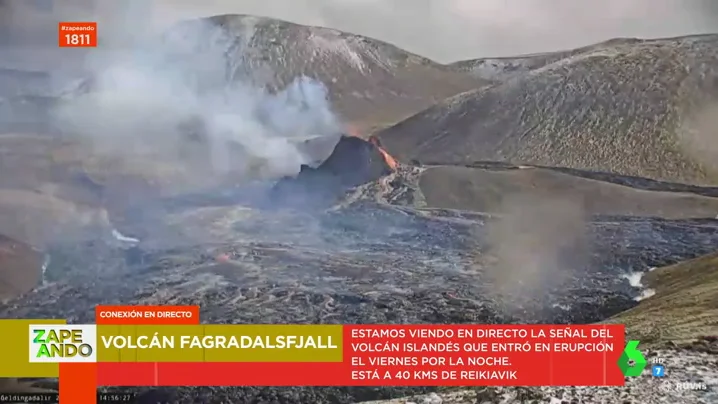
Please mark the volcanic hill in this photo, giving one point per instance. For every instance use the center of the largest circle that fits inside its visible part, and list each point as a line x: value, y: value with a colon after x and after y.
x: 370, y: 82
x: 633, y: 107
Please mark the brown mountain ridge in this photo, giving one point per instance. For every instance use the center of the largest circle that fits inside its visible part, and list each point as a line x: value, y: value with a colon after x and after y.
x: 643, y: 108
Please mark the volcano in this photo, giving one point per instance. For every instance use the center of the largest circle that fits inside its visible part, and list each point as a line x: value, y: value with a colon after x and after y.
x: 353, y: 162
x: 356, y: 161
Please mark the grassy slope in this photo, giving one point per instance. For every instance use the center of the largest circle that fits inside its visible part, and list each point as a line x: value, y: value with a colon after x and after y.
x: 684, y: 307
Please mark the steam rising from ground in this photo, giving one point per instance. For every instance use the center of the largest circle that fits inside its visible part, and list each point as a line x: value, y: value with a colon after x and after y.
x: 537, y: 244
x: 699, y: 137
x: 166, y: 101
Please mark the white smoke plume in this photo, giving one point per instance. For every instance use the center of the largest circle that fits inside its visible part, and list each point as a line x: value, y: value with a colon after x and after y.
x: 135, y: 107
x: 181, y: 98
x: 151, y: 99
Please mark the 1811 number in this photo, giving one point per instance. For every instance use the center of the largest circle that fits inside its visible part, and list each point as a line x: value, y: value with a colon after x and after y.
x: 77, y: 34
x: 78, y: 39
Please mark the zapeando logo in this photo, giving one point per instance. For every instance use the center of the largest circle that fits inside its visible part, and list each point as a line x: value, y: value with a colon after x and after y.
x: 62, y: 343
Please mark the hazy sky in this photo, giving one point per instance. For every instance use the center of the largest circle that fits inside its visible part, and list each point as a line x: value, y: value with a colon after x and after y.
x: 444, y: 30
x: 448, y: 30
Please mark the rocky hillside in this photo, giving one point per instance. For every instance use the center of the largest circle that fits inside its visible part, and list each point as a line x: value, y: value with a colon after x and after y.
x: 369, y: 81
x: 640, y: 108
x: 20, y: 268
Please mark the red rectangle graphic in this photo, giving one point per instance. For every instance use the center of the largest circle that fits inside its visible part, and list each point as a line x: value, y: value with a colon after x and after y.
x: 77, y: 34
x: 154, y: 315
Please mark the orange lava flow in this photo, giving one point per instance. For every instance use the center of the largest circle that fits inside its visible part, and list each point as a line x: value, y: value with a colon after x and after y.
x: 352, y: 130
x: 390, y: 161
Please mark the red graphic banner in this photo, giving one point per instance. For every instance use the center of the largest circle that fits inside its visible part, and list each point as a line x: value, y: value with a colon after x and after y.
x: 387, y: 355
x: 543, y: 356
